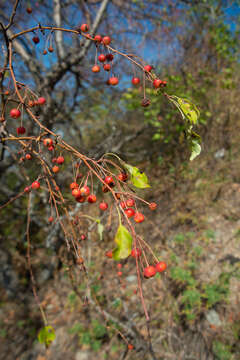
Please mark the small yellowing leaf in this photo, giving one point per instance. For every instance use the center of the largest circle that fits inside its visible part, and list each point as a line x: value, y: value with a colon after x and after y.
x: 124, y: 243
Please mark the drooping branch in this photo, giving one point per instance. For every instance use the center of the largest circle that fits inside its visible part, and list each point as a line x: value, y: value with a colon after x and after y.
x: 59, y: 70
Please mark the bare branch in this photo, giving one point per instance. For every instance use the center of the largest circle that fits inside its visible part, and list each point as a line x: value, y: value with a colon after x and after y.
x: 36, y: 68
x: 12, y: 15
x: 58, y: 21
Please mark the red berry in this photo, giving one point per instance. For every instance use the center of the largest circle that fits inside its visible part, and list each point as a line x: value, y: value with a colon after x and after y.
x: 95, y: 68
x: 60, y: 160
x: 92, y: 198
x: 122, y: 177
x: 47, y: 142
x: 76, y: 192
x: 149, y: 271
x: 44, y: 52
x: 55, y: 169
x: 85, y: 191
x: 164, y: 83
x: 107, y: 67
x: 80, y: 199
x: 73, y: 185
x: 21, y: 130
x: 130, y: 347
x: 103, y: 206
x: 109, y: 180
x: 51, y: 148
x: 41, y: 101
x: 161, y: 266
x: 50, y: 219
x: 84, y: 27
x: 50, y: 49
x: 119, y: 266
x: 113, y: 80
x: 28, y: 156
x: 109, y: 57
x: 106, y: 40
x: 135, y: 81
x: 57, y: 188
x: 109, y: 254
x: 15, y: 113
x: 136, y: 253
x: 148, y: 68
x: 152, y: 206
x: 129, y: 212
x: 29, y: 10
x: 102, y: 58
x: 157, y: 83
x: 123, y: 204
x: 98, y: 38
x: 130, y: 202
x: 145, y: 102
x: 139, y: 217
x: 27, y: 189
x: 35, y: 185
x: 36, y: 39
x: 119, y: 273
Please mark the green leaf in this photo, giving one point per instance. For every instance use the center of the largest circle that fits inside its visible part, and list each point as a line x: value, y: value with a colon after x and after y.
x: 195, y: 149
x: 100, y: 229
x: 124, y: 243
x: 46, y: 335
x: 187, y: 108
x: 138, y: 178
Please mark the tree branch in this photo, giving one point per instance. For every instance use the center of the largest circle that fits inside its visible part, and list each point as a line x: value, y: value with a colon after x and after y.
x: 12, y: 15
x: 58, y: 21
x: 70, y: 60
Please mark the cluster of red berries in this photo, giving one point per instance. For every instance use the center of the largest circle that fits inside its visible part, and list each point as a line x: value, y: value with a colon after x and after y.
x: 15, y: 113
x: 130, y: 212
x: 59, y: 161
x: 36, y: 41
x: 40, y: 101
x: 105, y: 59
x: 83, y: 194
x: 151, y: 270
x: 48, y: 142
x: 35, y: 186
x: 148, y: 271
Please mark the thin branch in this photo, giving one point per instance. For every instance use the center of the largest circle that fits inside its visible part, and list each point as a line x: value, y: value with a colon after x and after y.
x: 12, y: 15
